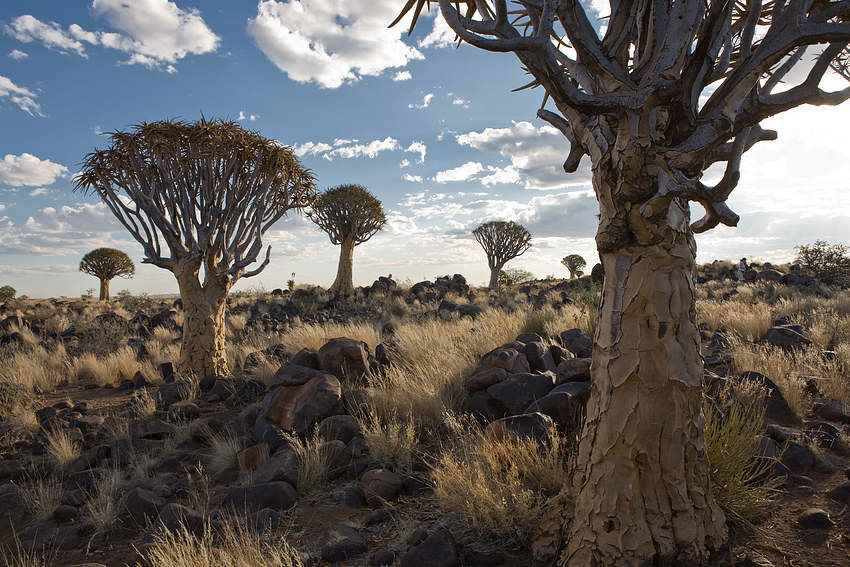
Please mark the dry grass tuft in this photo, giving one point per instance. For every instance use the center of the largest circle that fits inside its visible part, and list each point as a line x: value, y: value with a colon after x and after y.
x: 740, y: 480
x: 391, y: 439
x: 41, y: 497
x: 62, y: 448
x: 102, y: 506
x: 38, y: 370
x: 313, y: 461
x: 230, y: 546
x: 224, y: 449
x: 498, y: 488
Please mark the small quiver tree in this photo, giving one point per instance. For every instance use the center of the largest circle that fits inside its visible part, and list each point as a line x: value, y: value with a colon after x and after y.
x: 198, y: 196
x: 502, y: 241
x: 106, y: 264
x: 574, y: 263
x: 655, y: 93
x: 350, y: 216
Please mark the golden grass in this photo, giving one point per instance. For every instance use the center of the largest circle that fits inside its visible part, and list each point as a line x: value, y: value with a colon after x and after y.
x: 20, y: 557
x: 38, y: 370
x: 230, y: 546
x: 313, y: 461
x: 315, y: 336
x: 62, y: 448
x: 102, y: 506
x: 41, y: 497
x: 747, y: 320
x: 391, y: 439
x: 741, y: 482
x: 499, y: 488
x: 223, y: 452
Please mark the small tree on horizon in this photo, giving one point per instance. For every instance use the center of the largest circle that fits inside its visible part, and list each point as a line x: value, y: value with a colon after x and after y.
x: 198, y: 196
x: 350, y: 215
x: 502, y: 241
x: 106, y: 264
x: 7, y: 292
x: 824, y: 261
x: 574, y: 263
x: 514, y: 276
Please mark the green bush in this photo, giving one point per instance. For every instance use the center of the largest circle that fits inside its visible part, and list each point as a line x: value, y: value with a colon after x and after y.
x: 7, y: 292
x: 515, y: 276
x: 825, y: 261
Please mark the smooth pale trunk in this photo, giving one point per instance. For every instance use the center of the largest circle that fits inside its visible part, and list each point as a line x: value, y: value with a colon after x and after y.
x: 494, y: 276
x: 644, y: 494
x: 104, y: 289
x: 344, y: 282
x: 203, y: 348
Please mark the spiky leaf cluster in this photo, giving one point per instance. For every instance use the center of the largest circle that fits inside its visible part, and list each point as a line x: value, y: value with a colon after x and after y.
x: 206, y: 189
x: 502, y: 241
x: 107, y: 263
x: 348, y: 211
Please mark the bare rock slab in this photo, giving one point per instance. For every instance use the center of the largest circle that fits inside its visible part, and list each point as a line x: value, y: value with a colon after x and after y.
x: 342, y: 542
x: 439, y: 550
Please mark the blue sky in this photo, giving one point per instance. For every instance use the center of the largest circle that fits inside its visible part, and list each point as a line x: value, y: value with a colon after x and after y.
x: 433, y: 131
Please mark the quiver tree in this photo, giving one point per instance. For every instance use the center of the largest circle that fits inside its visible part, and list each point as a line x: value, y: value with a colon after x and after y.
x: 106, y: 264
x: 665, y: 90
x: 501, y: 241
x: 198, y: 197
x: 350, y: 216
x: 574, y: 263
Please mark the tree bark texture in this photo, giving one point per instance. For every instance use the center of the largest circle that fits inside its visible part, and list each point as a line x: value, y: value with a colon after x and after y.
x: 104, y: 289
x: 203, y: 348
x: 344, y: 282
x: 644, y: 493
x: 494, y: 276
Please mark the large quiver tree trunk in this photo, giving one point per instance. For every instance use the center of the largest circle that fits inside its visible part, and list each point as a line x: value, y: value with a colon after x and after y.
x: 203, y: 349
x: 104, y: 289
x: 344, y: 282
x: 644, y: 494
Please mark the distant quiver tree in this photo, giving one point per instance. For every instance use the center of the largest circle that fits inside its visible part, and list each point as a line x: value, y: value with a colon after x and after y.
x: 198, y: 196
x: 502, y: 241
x: 654, y: 93
x: 106, y: 264
x: 574, y: 263
x: 350, y: 215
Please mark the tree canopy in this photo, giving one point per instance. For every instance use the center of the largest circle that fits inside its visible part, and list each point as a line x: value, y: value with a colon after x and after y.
x: 348, y: 210
x: 198, y: 196
x: 574, y: 263
x: 106, y: 264
x: 502, y: 241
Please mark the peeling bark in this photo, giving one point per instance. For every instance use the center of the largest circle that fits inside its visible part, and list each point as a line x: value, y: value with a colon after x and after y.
x: 203, y: 348
x: 642, y: 477
x: 344, y: 282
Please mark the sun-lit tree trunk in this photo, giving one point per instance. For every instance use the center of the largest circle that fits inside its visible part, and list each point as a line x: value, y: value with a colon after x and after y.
x: 344, y: 282
x: 494, y: 275
x: 643, y: 477
x: 104, y: 289
x: 203, y: 349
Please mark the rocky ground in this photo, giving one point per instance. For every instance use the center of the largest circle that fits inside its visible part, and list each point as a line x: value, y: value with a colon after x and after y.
x: 366, y: 513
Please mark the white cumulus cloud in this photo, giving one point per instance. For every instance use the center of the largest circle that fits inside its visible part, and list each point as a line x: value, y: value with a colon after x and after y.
x: 402, y: 76
x: 461, y: 173
x: 537, y: 154
x: 152, y: 32
x: 412, y: 178
x: 330, y: 42
x: 347, y: 148
x: 17, y: 54
x: 27, y: 169
x: 418, y: 147
x: 64, y: 230
x: 20, y: 96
